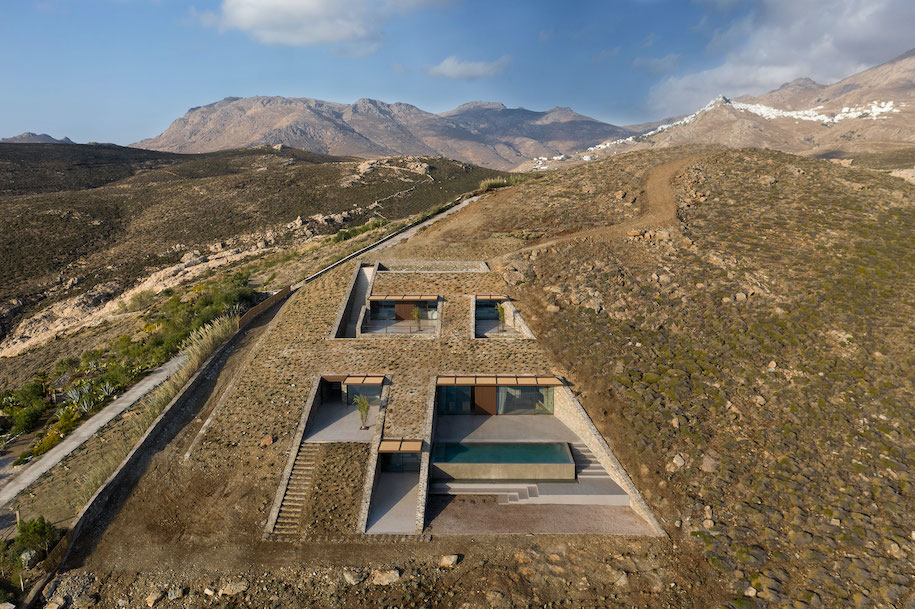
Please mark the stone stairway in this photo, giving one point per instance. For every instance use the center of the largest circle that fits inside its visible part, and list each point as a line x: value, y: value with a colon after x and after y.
x: 289, y: 520
x: 506, y: 492
x: 586, y: 465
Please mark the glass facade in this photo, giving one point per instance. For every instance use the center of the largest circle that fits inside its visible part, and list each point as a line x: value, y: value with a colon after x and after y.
x: 388, y: 310
x: 455, y: 400
x: 494, y: 400
x: 486, y: 309
x: 372, y: 392
x: 400, y: 462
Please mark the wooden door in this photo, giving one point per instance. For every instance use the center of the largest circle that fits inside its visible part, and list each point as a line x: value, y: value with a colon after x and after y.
x: 485, y: 400
x: 403, y: 310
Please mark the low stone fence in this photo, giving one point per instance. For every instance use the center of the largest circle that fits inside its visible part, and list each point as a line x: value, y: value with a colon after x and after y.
x: 255, y: 311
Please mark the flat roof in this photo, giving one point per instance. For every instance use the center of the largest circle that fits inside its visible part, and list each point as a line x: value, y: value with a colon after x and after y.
x: 364, y: 380
x: 400, y: 445
x: 492, y: 297
x: 500, y: 380
x: 355, y: 379
x: 402, y: 297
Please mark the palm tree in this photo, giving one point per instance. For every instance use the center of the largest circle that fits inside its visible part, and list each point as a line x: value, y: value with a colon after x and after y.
x: 416, y: 317
x: 362, y: 405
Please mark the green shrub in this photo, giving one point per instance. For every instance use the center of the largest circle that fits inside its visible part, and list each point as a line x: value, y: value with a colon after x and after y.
x: 26, y: 419
x: 36, y: 534
x: 65, y: 365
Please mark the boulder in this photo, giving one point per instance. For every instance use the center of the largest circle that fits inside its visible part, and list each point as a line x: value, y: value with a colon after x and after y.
x: 385, y: 577
x: 353, y: 577
x: 154, y: 598
x: 449, y: 561
x: 708, y: 464
x: 233, y: 588
x: 29, y: 558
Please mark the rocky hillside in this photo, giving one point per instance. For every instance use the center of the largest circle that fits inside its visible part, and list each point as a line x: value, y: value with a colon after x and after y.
x: 83, y: 224
x: 486, y: 134
x: 748, y: 356
x: 872, y: 111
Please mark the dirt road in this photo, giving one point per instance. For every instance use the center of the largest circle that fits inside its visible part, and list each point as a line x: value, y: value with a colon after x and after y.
x: 658, y: 210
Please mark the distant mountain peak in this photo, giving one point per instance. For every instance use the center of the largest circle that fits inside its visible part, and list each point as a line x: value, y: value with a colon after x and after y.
x: 28, y: 137
x: 476, y: 105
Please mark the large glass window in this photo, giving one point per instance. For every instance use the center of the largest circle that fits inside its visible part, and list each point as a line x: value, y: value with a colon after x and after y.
x: 382, y: 311
x: 455, y: 400
x: 525, y: 400
x: 506, y: 400
x: 486, y: 309
x: 372, y: 392
x: 400, y: 462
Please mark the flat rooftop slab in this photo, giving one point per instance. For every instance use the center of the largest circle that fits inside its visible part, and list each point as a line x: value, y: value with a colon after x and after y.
x: 502, y: 428
x: 394, y: 501
x: 336, y: 422
x: 479, y: 515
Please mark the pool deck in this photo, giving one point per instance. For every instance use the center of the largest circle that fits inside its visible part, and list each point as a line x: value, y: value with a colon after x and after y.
x: 505, y: 428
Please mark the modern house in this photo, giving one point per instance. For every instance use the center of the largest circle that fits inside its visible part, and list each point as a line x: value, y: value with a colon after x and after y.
x: 440, y: 427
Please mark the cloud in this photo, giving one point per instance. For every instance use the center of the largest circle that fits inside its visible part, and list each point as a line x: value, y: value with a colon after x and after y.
x: 658, y: 65
x: 458, y: 69
x: 780, y: 40
x: 309, y: 22
x: 605, y: 55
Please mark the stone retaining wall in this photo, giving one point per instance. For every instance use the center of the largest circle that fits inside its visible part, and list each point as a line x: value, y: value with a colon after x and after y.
x: 569, y: 410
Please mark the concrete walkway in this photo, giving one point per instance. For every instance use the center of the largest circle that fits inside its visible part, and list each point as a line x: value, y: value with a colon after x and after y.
x: 394, y: 503
x: 34, y: 470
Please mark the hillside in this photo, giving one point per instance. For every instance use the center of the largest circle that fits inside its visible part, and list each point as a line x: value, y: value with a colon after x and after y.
x: 117, y: 216
x: 737, y: 324
x: 752, y: 353
x: 486, y: 134
x: 872, y: 111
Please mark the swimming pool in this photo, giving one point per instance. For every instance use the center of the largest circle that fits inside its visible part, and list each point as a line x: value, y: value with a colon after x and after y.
x: 501, y: 452
x: 502, y: 461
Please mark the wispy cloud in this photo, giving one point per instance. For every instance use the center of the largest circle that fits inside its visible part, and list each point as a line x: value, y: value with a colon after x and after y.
x: 458, y: 69
x: 780, y: 40
x: 605, y: 55
x: 310, y: 22
x: 658, y: 65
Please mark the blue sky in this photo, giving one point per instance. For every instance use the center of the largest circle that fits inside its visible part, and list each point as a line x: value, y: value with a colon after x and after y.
x: 122, y: 70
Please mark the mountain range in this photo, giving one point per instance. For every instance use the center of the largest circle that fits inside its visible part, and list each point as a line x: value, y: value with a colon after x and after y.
x: 483, y: 133
x: 871, y: 111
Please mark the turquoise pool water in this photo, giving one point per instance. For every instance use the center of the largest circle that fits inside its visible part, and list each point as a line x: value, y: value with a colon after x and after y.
x: 452, y: 452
